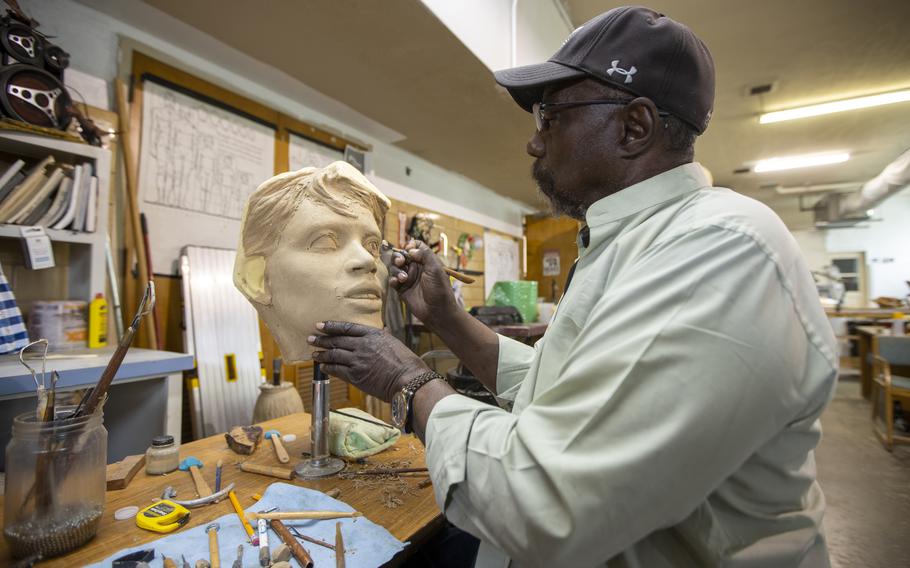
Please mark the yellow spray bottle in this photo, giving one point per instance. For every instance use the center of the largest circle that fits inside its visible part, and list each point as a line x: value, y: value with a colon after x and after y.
x: 97, y: 322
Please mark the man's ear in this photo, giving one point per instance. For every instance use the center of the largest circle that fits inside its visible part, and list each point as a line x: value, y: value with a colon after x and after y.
x: 249, y: 278
x: 641, y: 121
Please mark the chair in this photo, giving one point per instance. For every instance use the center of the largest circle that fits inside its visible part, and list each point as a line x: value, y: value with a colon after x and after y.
x: 892, y: 352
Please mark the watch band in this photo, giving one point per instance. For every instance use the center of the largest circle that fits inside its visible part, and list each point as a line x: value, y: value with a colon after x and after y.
x: 411, y: 389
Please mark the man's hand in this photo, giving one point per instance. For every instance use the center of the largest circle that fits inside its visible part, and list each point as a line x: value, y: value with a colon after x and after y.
x: 422, y: 283
x: 370, y: 359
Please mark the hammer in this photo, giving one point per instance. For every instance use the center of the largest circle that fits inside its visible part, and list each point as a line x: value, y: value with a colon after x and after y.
x: 275, y: 437
x: 192, y: 465
x: 214, y: 556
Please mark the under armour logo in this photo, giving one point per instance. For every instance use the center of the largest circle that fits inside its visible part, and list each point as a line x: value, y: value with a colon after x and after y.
x: 627, y: 72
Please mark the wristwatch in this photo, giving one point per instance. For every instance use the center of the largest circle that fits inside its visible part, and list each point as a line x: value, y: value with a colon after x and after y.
x: 402, y: 409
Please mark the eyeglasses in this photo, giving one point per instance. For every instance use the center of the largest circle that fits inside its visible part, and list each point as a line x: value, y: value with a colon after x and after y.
x: 543, y: 121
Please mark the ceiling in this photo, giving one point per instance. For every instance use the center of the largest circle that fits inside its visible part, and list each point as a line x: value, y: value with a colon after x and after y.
x: 394, y: 62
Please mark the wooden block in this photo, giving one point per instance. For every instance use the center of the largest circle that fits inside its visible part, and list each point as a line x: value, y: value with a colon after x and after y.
x: 121, y: 473
x: 244, y: 439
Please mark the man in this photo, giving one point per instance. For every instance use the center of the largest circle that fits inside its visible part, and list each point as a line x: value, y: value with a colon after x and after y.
x: 669, y: 415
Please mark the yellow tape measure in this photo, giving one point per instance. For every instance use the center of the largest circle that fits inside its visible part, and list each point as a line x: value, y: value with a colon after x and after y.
x: 163, y: 517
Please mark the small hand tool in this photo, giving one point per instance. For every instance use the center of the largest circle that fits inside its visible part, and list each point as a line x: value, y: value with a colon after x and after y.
x: 312, y: 515
x: 246, y: 525
x: 275, y: 437
x: 169, y: 562
x: 302, y: 536
x: 238, y: 562
x: 264, y: 557
x: 192, y: 465
x: 133, y: 559
x: 299, y: 552
x: 203, y: 564
x: 339, y: 547
x: 169, y: 494
x: 44, y: 403
x: 272, y: 471
x: 218, y: 475
x: 214, y: 556
x: 183, y: 562
x: 453, y: 273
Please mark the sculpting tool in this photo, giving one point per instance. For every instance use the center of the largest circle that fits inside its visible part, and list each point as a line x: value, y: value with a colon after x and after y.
x: 339, y: 547
x: 192, y: 464
x: 299, y: 552
x: 264, y: 556
x: 451, y: 272
x: 246, y: 525
x: 362, y: 419
x: 302, y: 536
x: 214, y: 555
x: 218, y: 476
x: 275, y: 437
x: 391, y: 471
x: 238, y: 563
x: 308, y: 515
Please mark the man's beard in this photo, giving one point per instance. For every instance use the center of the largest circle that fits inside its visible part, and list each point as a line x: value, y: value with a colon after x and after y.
x: 560, y: 202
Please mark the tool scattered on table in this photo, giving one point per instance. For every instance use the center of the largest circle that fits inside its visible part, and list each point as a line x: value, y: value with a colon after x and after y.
x: 407, y: 258
x: 214, y: 557
x: 304, y: 515
x: 302, y: 536
x: 280, y: 452
x: 134, y: 559
x: 244, y: 439
x: 203, y: 564
x: 389, y: 471
x: 169, y: 562
x: 163, y: 517
x: 254, y: 539
x: 120, y: 474
x: 184, y: 563
x: 299, y: 552
x: 334, y: 493
x: 170, y: 493
x: 238, y: 562
x: 192, y: 464
x: 218, y: 466
x: 263, y: 534
x: 271, y: 471
x: 88, y: 403
x: 425, y: 483
x: 339, y: 547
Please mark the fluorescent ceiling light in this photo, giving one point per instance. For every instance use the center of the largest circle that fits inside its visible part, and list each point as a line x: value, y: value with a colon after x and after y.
x: 803, y: 161
x: 836, y: 106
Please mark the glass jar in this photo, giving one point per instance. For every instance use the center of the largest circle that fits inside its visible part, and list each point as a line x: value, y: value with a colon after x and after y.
x: 55, y: 483
x: 163, y: 456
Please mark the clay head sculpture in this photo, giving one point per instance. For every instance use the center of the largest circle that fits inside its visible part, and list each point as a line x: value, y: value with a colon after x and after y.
x: 309, y: 251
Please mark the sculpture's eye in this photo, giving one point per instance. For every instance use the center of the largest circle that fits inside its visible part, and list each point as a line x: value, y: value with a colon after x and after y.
x: 372, y: 245
x: 324, y: 242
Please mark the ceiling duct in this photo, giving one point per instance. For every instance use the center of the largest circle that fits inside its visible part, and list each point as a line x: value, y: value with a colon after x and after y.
x: 839, y: 209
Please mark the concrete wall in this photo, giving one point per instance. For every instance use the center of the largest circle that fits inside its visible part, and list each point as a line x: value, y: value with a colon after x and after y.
x: 93, y: 32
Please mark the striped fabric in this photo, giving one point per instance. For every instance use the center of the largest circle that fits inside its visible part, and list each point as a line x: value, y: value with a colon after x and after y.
x: 13, y: 336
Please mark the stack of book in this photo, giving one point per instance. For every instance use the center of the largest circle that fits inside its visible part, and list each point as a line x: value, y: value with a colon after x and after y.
x: 50, y: 194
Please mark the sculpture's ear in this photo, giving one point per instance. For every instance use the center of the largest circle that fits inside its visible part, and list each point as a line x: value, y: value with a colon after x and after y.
x: 249, y: 278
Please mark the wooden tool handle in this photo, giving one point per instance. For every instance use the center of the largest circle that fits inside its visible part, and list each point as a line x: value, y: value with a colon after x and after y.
x: 279, y: 450
x: 298, y: 515
x: 339, y: 547
x: 214, y: 558
x: 458, y: 275
x: 239, y: 510
x: 297, y: 549
x: 169, y: 563
x: 272, y: 471
x: 202, y: 488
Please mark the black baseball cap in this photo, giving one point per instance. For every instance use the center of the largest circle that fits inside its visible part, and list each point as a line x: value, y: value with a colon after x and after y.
x: 634, y: 49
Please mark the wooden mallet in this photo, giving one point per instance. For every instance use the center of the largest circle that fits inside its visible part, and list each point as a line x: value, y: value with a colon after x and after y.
x: 275, y: 437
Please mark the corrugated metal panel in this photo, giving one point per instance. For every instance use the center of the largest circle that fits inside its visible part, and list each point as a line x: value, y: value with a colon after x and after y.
x: 223, y: 334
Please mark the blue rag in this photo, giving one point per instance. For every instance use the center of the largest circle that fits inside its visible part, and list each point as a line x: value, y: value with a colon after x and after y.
x: 366, y: 543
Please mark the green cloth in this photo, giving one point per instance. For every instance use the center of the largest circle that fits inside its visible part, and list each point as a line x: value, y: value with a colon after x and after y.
x: 519, y: 293
x: 355, y: 438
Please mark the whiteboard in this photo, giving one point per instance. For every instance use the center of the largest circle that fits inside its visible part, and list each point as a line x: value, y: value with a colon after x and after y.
x: 500, y: 260
x: 306, y: 153
x: 198, y: 163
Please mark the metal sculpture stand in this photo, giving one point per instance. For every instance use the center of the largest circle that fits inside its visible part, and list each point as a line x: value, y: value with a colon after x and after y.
x: 320, y: 464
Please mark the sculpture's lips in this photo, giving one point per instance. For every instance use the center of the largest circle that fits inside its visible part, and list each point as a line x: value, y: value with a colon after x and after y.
x: 365, y: 293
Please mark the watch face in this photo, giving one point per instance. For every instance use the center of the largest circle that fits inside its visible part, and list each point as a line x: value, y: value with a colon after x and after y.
x: 399, y: 409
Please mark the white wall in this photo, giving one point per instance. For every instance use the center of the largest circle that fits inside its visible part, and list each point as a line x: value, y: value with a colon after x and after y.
x: 886, y: 244
x: 93, y: 37
x: 812, y: 245
x: 485, y: 27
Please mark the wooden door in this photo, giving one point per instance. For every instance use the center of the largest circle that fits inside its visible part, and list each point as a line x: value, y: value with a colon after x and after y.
x: 551, y: 251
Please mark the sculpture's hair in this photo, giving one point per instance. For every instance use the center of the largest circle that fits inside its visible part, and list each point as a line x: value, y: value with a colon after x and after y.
x: 275, y: 202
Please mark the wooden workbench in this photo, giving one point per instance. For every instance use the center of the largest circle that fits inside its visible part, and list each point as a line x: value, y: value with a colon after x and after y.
x: 415, y: 519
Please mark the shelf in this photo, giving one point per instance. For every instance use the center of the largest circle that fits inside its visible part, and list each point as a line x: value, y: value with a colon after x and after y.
x: 56, y: 235
x: 37, y: 146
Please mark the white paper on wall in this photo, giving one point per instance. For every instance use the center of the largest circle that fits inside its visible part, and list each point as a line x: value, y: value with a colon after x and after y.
x: 501, y: 261
x: 306, y: 153
x: 198, y: 164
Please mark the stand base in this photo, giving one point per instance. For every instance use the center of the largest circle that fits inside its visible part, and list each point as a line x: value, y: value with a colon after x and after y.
x: 316, y: 468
